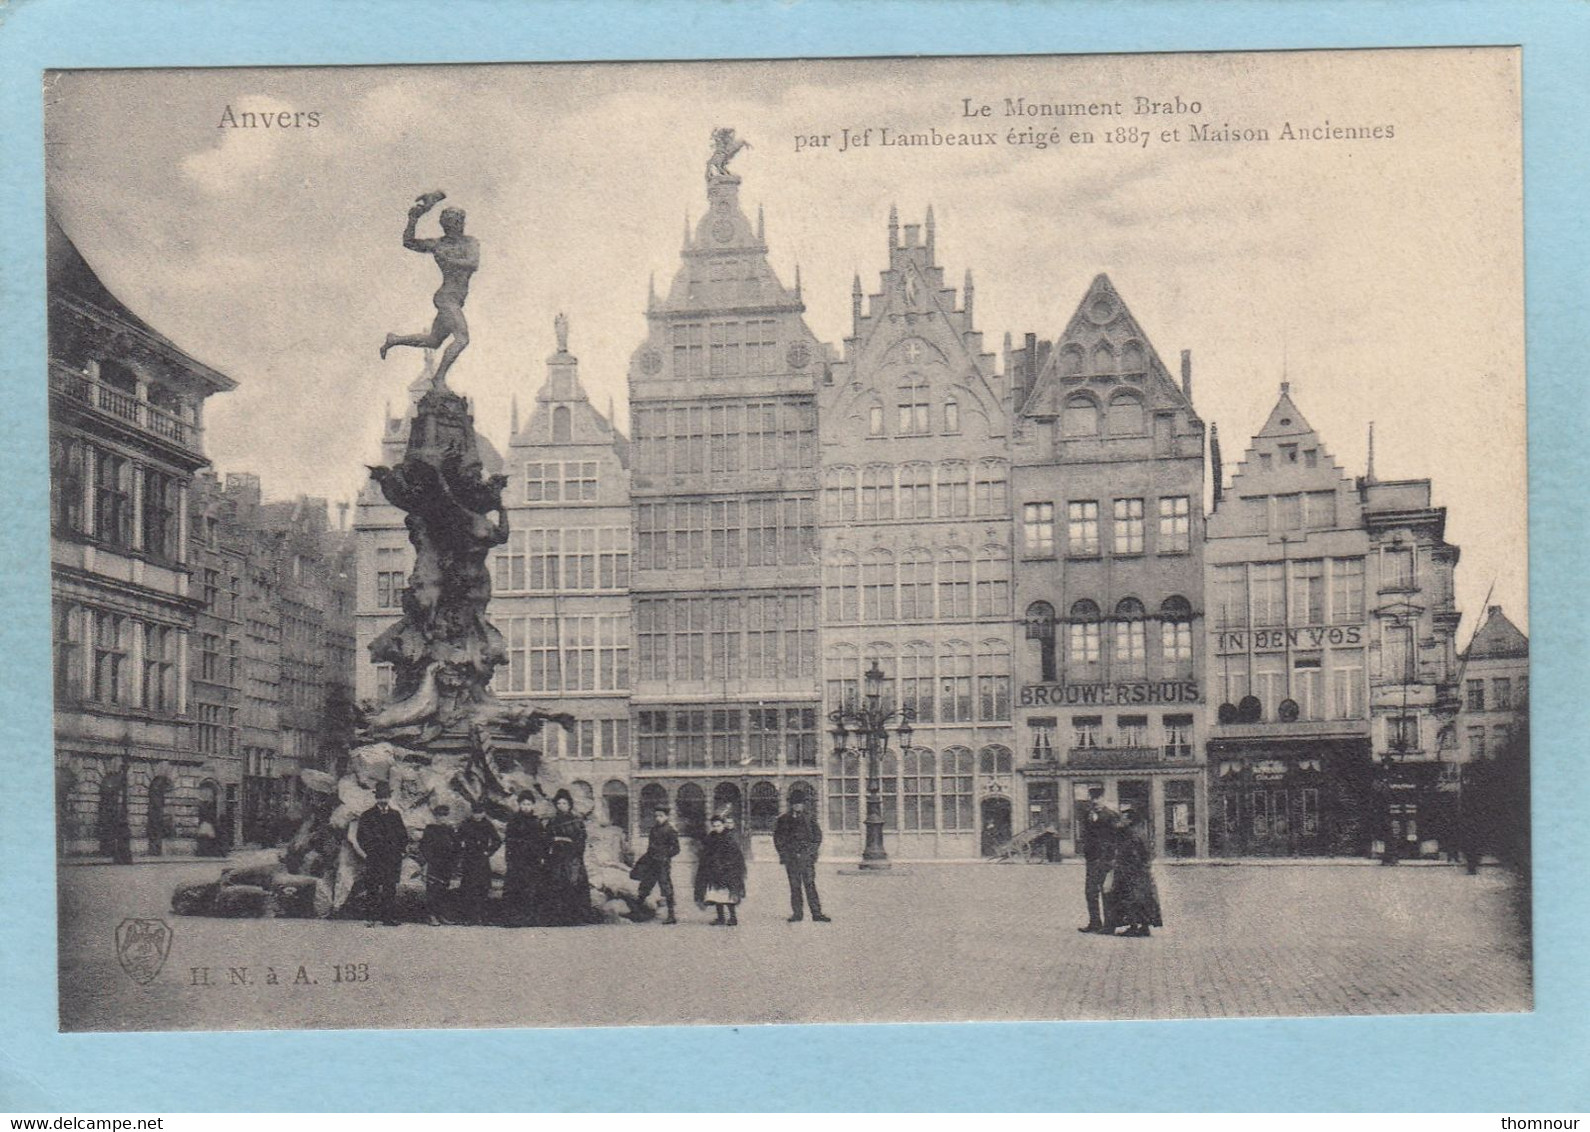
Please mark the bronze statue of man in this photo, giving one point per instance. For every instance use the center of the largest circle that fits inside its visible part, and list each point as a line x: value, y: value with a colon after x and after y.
x: 458, y: 256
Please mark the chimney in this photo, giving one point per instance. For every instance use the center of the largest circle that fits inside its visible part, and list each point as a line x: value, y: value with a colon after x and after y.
x: 1186, y: 374
x: 342, y: 515
x: 1217, y: 473
x: 894, y: 228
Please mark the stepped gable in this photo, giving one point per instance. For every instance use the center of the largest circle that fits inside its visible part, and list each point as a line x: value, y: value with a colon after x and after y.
x: 1498, y: 638
x: 1102, y: 348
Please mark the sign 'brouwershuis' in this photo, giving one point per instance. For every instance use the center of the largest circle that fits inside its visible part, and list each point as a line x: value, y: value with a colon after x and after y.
x: 1110, y: 695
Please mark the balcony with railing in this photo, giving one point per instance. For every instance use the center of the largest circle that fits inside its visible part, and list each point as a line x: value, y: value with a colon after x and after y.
x: 113, y: 402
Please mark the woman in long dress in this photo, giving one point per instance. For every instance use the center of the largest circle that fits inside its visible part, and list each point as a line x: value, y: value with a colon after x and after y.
x: 568, y: 886
x: 720, y: 877
x: 1133, y: 898
x: 525, y: 840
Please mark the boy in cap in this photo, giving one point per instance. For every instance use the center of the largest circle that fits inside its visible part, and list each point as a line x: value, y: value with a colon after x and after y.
x: 478, y: 839
x: 381, y: 841
x: 655, y: 868
x: 439, y: 854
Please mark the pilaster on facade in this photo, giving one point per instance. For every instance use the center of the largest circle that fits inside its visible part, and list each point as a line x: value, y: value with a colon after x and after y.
x: 724, y: 482
x: 1108, y: 456
x: 916, y: 545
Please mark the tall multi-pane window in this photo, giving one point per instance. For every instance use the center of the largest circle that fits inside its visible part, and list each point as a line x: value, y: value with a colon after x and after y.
x: 543, y: 554
x: 723, y: 341
x: 1288, y: 512
x: 955, y: 585
x: 1319, y: 510
x: 839, y: 494
x: 1082, y: 633
x: 113, y: 499
x: 1307, y: 605
x: 723, y: 520
x: 391, y: 577
x: 991, y: 495
x: 1396, y: 652
x: 916, y: 491
x: 956, y: 790
x: 724, y: 640
x: 1041, y: 738
x: 543, y: 483
x: 993, y: 681
x: 108, y: 676
x: 1175, y: 525
x: 918, y: 790
x: 955, y: 682
x: 68, y: 468
x: 1178, y: 736
x: 1396, y: 568
x: 1269, y: 682
x: 1131, y: 650
x: 1308, y: 687
x: 613, y: 559
x: 993, y: 582
x: 761, y: 345
x: 160, y: 668
x: 1127, y: 528
x: 689, y: 355
x: 842, y: 675
x: 842, y: 587
x: 1347, y: 590
x: 844, y: 792
x: 1230, y: 587
x: 1347, y: 683
x: 579, y: 480
x: 1037, y: 529
x: 1082, y: 527
x: 1086, y: 731
x: 160, y: 505
x: 912, y: 418
x: 1175, y: 630
x: 916, y: 585
x: 877, y: 492
x: 1268, y: 591
x: 954, y: 489
x: 877, y: 586
x: 1476, y: 695
x: 1502, y: 693
x: 916, y: 680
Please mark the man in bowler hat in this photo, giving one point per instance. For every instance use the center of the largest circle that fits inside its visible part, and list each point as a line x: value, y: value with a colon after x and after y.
x: 797, y: 837
x: 1096, y: 835
x: 381, y: 841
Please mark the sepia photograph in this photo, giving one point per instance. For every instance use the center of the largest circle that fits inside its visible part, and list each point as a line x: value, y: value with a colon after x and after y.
x: 728, y: 542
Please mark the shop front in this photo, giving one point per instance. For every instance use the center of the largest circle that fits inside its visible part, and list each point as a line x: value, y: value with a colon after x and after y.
x: 1416, y: 810
x: 1290, y: 798
x: 1171, y: 799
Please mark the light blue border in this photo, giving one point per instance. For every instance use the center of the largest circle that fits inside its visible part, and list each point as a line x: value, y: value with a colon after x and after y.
x: 1525, y: 1063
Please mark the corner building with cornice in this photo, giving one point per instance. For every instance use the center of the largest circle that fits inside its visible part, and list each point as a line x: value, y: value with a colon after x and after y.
x: 917, y: 559
x: 724, y: 481
x: 1108, y: 475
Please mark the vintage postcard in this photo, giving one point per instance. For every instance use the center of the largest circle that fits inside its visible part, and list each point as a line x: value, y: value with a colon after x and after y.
x: 919, y: 539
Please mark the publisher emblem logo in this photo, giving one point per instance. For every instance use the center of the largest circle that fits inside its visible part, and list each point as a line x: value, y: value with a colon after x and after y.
x: 142, y: 947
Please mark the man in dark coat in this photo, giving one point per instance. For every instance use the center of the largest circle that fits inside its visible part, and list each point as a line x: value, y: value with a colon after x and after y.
x: 655, y: 867
x: 478, y: 839
x: 439, y: 855
x: 797, y: 837
x: 381, y: 840
x: 1096, y: 840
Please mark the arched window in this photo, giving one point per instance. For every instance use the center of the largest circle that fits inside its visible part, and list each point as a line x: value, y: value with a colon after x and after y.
x: 839, y: 494
x: 992, y: 493
x: 994, y: 759
x: 1082, y: 642
x: 561, y: 428
x: 842, y: 587
x: 993, y: 680
x: 615, y: 800
x: 916, y: 491
x: 952, y: 415
x: 726, y: 802
x: 764, y: 807
x: 916, y: 584
x: 1130, y: 650
x: 1080, y: 416
x: 1103, y: 358
x: 955, y: 682
x: 652, y: 795
x: 955, y: 791
x: 1133, y: 359
x: 993, y: 582
x: 1040, y: 620
x: 1175, y: 614
x: 918, y: 790
x: 842, y: 674
x: 877, y: 492
x: 955, y: 584
x: 955, y: 492
x: 913, y: 406
x: 1126, y: 415
x: 916, y: 680
x: 1071, y: 360
x: 877, y: 586
x: 692, y: 801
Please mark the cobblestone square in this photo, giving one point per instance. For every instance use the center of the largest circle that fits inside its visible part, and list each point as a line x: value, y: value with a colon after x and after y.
x: 939, y: 942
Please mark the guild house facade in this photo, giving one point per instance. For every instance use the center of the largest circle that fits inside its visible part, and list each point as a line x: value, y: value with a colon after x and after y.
x: 1108, y: 476
x: 726, y: 704
x: 916, y: 557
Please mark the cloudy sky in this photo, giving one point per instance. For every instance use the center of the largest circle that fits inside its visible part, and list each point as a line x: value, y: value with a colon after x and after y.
x: 1383, y: 279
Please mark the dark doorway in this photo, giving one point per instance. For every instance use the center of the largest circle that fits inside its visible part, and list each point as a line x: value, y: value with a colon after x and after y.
x: 115, y: 832
x: 155, y: 816
x: 996, y: 825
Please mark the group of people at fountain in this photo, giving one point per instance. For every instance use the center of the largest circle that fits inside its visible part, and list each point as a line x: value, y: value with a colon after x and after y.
x: 1119, y: 884
x: 545, y: 882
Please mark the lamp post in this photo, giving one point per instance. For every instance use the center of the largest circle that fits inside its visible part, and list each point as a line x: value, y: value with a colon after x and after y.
x: 868, y: 723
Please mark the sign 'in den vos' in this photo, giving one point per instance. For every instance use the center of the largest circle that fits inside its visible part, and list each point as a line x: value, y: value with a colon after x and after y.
x: 1302, y: 637
x: 1110, y: 695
